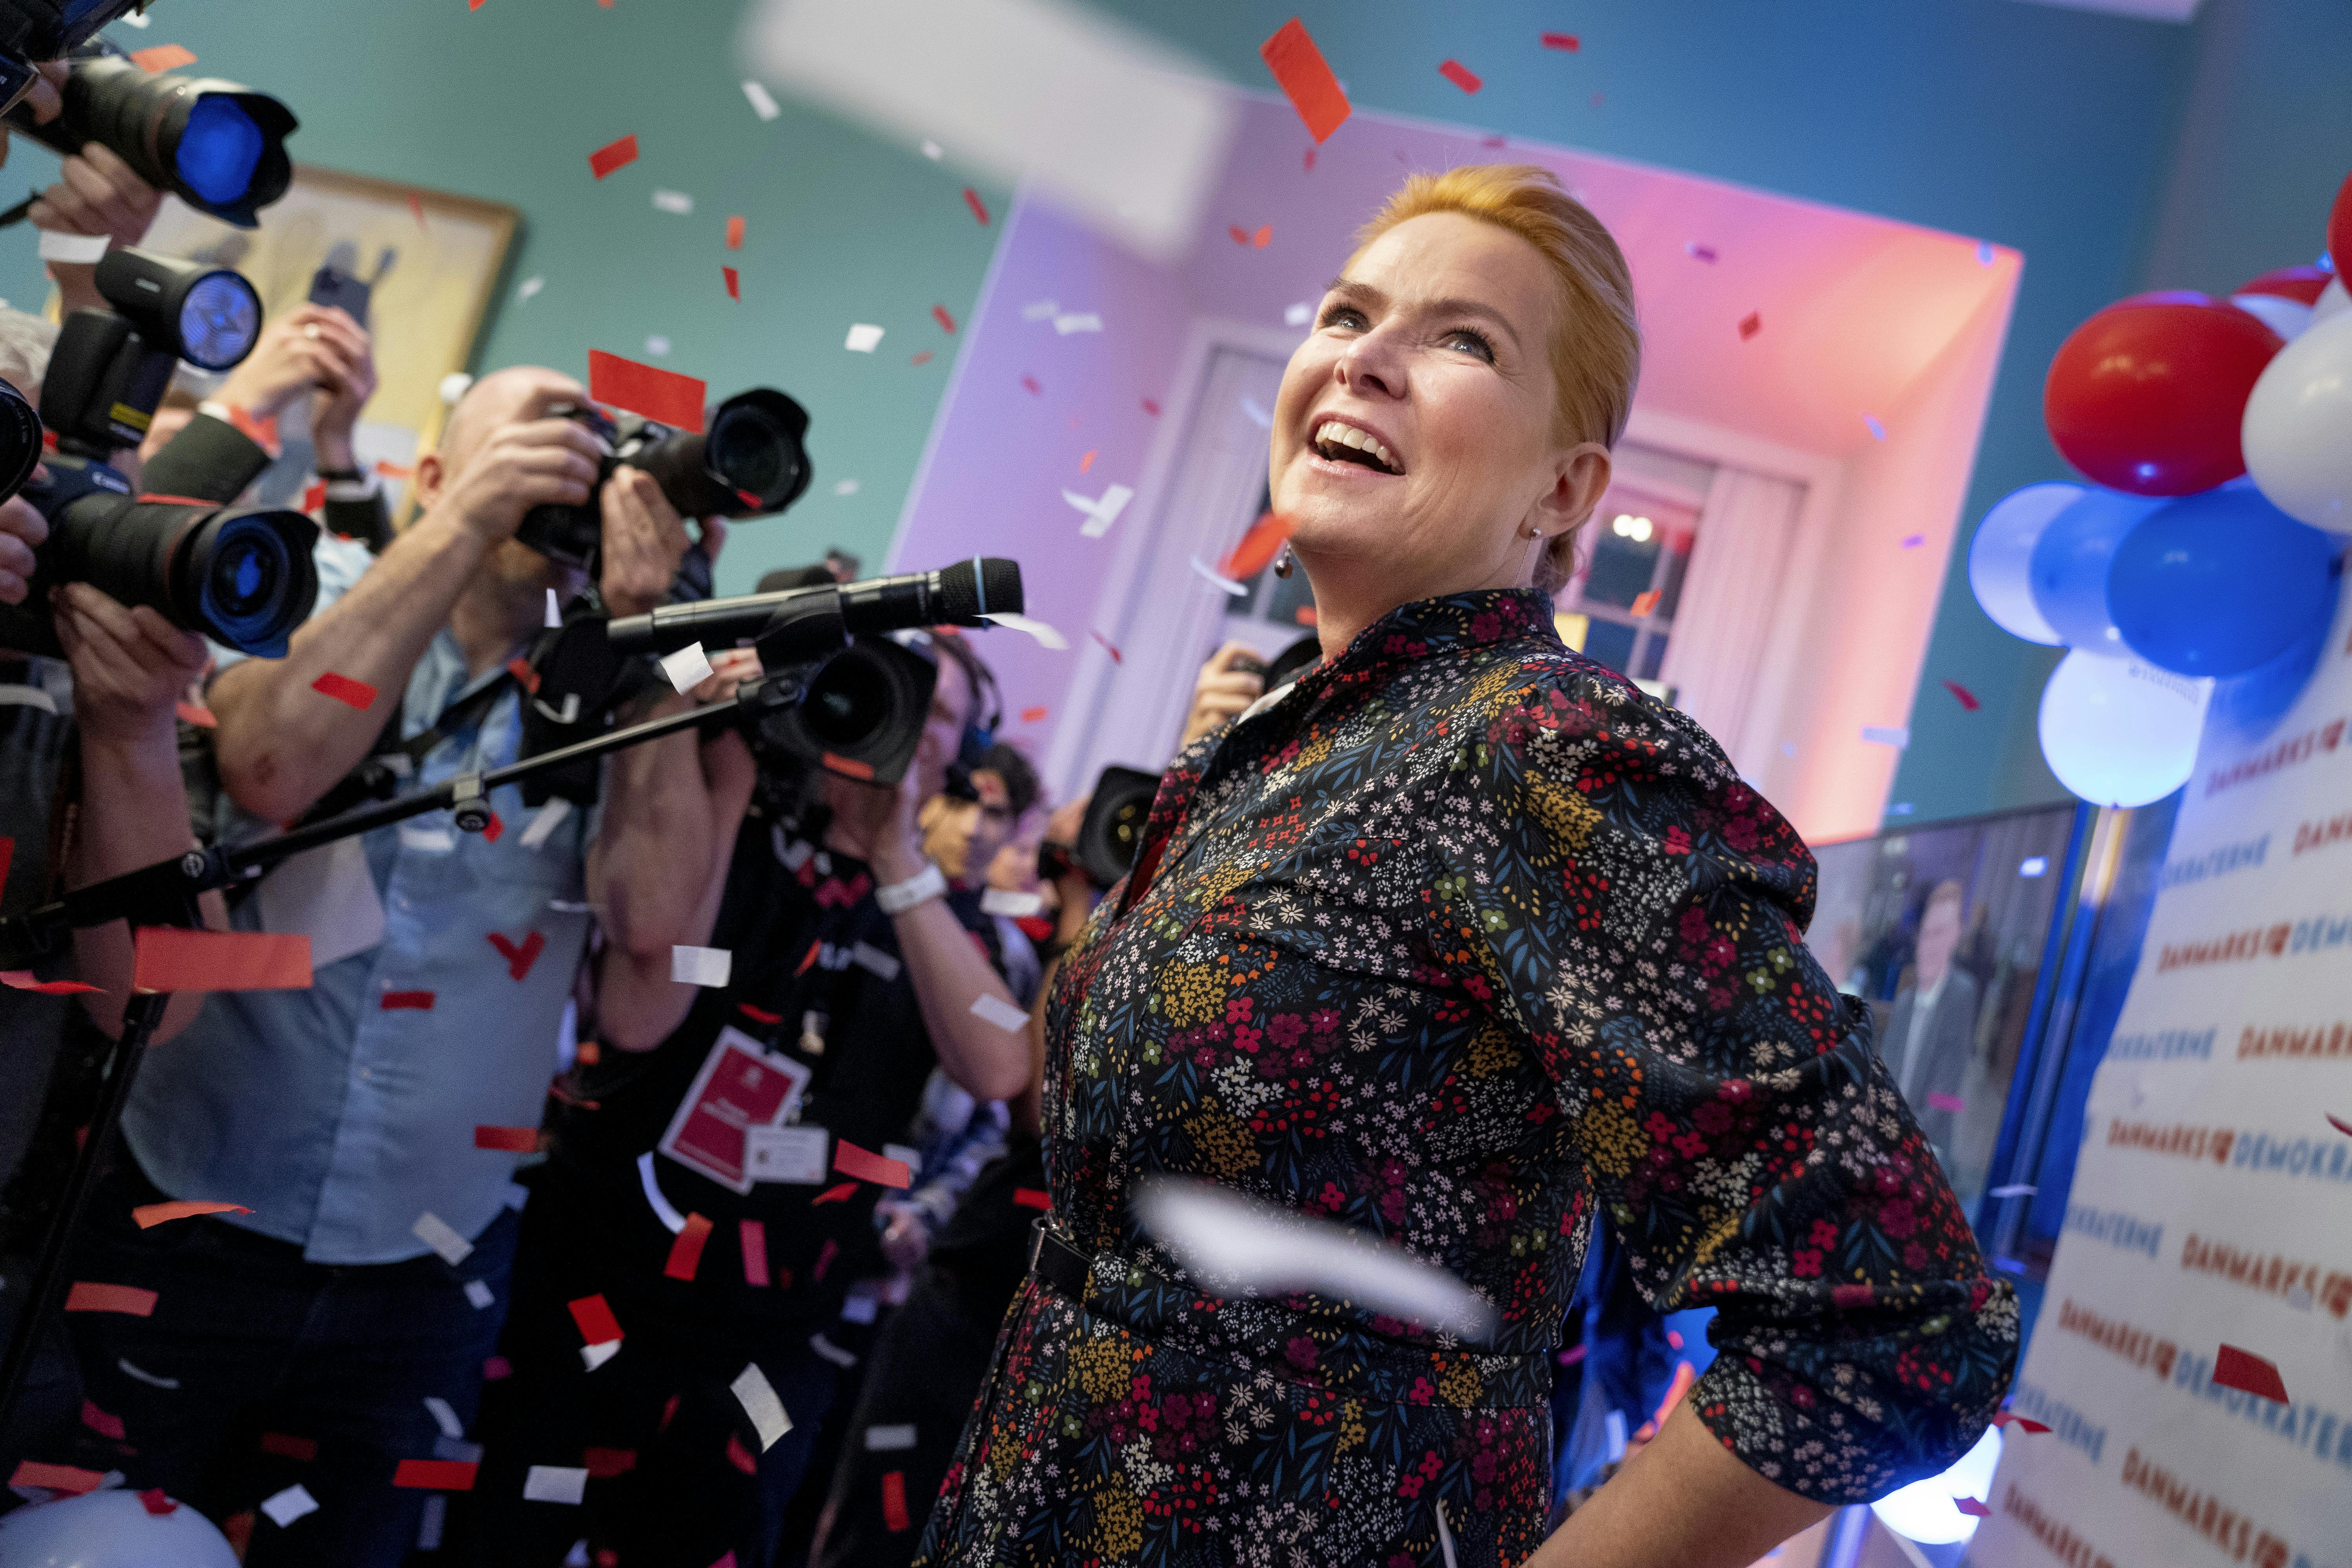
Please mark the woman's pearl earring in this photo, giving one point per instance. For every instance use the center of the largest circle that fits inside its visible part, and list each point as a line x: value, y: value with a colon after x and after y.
x: 1283, y: 564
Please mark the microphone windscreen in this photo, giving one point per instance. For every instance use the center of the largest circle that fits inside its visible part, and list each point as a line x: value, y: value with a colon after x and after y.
x: 981, y: 586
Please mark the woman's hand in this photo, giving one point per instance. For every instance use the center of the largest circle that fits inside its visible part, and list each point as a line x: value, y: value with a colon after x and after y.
x: 1224, y: 690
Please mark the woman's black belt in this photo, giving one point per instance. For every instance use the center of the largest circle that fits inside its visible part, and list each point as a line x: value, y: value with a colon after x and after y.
x: 1057, y: 1263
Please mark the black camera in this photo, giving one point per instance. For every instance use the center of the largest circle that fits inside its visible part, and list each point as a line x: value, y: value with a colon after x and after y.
x: 749, y: 463
x: 861, y: 715
x: 36, y: 30
x: 1112, y: 833
x: 242, y: 575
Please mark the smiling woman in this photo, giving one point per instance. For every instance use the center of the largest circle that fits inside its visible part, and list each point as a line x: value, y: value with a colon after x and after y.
x: 1461, y: 941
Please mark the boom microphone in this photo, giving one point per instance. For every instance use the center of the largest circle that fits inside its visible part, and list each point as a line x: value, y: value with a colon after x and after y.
x: 825, y: 617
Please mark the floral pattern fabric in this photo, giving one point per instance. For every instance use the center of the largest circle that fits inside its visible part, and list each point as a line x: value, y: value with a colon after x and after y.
x: 1465, y: 943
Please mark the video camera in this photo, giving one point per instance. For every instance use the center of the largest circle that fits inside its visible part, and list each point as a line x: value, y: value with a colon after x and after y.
x: 241, y: 575
x: 750, y: 463
x: 217, y: 145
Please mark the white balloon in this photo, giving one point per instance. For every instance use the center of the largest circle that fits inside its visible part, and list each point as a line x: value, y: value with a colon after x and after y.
x: 2332, y: 302
x: 110, y: 1530
x: 2001, y: 559
x: 2120, y: 732
x: 2287, y: 318
x: 2297, y: 432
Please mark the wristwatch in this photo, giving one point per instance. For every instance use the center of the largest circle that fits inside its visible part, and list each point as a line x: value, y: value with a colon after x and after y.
x: 898, y: 898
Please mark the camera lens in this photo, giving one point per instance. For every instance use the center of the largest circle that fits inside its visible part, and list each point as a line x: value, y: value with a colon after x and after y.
x: 20, y: 441
x: 847, y: 703
x: 252, y: 587
x: 751, y: 448
x: 219, y: 150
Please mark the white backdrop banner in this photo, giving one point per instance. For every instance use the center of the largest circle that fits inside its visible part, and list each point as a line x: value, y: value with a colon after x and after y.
x: 2211, y: 1218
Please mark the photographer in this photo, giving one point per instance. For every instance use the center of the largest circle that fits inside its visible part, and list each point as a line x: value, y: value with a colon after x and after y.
x: 344, y: 1116
x: 851, y: 973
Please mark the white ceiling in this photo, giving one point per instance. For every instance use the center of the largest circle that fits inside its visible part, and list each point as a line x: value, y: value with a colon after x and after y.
x: 2149, y: 10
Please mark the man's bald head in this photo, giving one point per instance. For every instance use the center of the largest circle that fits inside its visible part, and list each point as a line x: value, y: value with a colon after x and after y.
x: 503, y: 396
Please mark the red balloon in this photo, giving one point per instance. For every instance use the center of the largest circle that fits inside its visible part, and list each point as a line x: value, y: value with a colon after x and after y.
x: 2340, y: 228
x: 2147, y: 395
x: 2301, y: 284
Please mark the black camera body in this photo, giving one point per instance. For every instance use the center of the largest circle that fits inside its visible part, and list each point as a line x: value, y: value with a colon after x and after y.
x: 1111, y: 834
x: 36, y: 30
x: 859, y: 714
x: 749, y: 463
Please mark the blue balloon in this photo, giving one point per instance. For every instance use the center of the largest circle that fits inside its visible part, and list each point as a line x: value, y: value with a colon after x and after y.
x: 2246, y: 709
x: 2220, y: 584
x: 2068, y: 570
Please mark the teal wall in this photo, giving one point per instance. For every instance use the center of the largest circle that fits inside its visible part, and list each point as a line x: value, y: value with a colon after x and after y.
x: 2097, y: 145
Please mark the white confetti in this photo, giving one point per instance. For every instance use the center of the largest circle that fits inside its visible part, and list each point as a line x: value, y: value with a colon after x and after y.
x: 663, y: 1210
x: 656, y: 345
x: 135, y: 19
x: 830, y: 1352
x: 1046, y: 636
x: 889, y: 1439
x: 284, y: 1508
x: 700, y: 965
x: 845, y: 486
x: 763, y: 104
x: 1257, y: 414
x: 860, y: 1307
x: 529, y: 287
x: 758, y: 1397
x: 596, y: 1356
x: 1297, y: 315
x: 676, y: 202
x: 554, y: 1483
x: 1010, y: 904
x: 1444, y: 1537
x: 545, y: 821
x: 875, y: 961
x: 1895, y: 735
x: 1101, y: 513
x: 431, y: 1522
x: 1229, y: 1242
x: 1040, y: 310
x: 863, y: 337
x: 435, y: 1232
x: 428, y: 839
x: 1219, y: 578
x: 1087, y: 323
x: 444, y: 1414
x: 553, y: 619
x: 932, y: 150
x: 688, y: 667
x: 480, y: 1295
x: 143, y: 1376
x: 455, y: 385
x: 989, y: 1007
x: 73, y: 247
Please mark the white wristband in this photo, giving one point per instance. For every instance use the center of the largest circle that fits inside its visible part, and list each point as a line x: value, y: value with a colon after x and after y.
x: 897, y: 898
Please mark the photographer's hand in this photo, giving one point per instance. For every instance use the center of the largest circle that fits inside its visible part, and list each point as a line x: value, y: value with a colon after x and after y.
x: 1223, y: 692
x: 22, y: 529
x: 521, y: 466
x: 309, y: 347
x: 335, y: 407
x: 99, y: 193
x: 645, y: 539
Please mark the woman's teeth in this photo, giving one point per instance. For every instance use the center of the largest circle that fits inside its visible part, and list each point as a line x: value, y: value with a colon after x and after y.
x: 1345, y: 443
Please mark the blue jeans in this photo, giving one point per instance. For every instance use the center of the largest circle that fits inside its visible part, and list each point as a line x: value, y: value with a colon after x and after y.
x: 248, y: 1344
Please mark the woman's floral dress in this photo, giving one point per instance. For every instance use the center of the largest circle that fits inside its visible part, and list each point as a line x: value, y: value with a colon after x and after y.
x: 1464, y: 941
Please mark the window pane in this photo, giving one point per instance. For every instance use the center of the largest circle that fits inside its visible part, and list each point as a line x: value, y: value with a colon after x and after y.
x: 1677, y: 568
x: 1621, y: 567
x: 1654, y: 655
x: 1609, y: 643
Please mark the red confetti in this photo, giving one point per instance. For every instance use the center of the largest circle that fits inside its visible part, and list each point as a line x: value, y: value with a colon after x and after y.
x: 1305, y: 616
x: 734, y: 281
x: 1460, y: 76
x: 1972, y: 1508
x: 56, y: 1477
x: 22, y: 980
x: 1110, y: 647
x: 163, y: 58
x: 1256, y: 550
x: 147, y: 1215
x: 1967, y: 699
x: 1750, y: 324
x: 612, y: 155
x: 1646, y: 601
x: 1241, y: 235
x: 1086, y: 458
x: 946, y: 321
x: 8, y: 853
x: 495, y: 827
x: 1562, y: 41
x: 858, y: 1163
x: 979, y: 208
x: 739, y: 1457
x: 1674, y: 1338
x: 1305, y: 80
x: 406, y: 1000
x: 660, y: 394
x: 839, y: 1193
x: 1263, y: 237
x: 314, y: 495
x: 1152, y: 408
x: 189, y: 713
x: 597, y: 1324
x: 758, y: 1015
x: 525, y: 675
x: 2020, y: 1422
x: 99, y: 1422
x: 520, y: 956
x: 385, y: 469
x: 922, y: 358
x: 894, y: 1501
x: 669, y: 1413
x: 686, y: 1251
x: 825, y: 1256
x: 603, y: 1464
x: 496, y: 1368
x: 153, y: 1500
x: 2340, y: 1125
x: 2241, y: 1370
x: 1033, y: 715
x: 1034, y: 1198
x: 1031, y: 383
x: 754, y: 1237
x: 435, y: 1474
x: 808, y: 959
x: 1700, y: 253
x: 128, y: 1300
x: 343, y: 688
x: 508, y: 1139
x: 735, y: 233
x: 416, y: 205
x: 288, y: 1447
x: 166, y: 958
x: 262, y: 433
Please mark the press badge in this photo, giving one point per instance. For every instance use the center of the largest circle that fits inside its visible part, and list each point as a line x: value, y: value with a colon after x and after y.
x: 741, y: 1090
x: 788, y: 1153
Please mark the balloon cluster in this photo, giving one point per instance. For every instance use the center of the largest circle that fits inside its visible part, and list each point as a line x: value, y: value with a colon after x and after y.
x: 2194, y: 571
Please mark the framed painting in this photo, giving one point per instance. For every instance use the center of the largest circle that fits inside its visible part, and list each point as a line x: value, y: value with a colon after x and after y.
x: 429, y: 261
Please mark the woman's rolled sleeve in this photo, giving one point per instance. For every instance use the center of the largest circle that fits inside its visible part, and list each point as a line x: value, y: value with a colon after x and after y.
x: 1634, y: 912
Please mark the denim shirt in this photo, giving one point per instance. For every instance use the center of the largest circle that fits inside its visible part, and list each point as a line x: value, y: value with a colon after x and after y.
x: 342, y: 1114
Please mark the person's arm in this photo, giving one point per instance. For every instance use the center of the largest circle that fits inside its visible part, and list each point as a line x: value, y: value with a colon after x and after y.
x: 1627, y: 911
x: 281, y: 744
x: 1683, y: 1501
x: 97, y: 193
x: 129, y: 666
